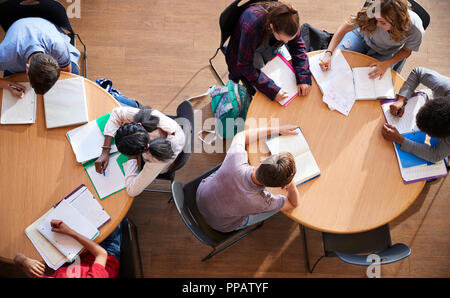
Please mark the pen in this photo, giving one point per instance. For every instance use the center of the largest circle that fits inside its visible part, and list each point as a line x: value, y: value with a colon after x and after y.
x: 15, y: 88
x: 103, y: 165
x: 324, y: 63
x: 399, y: 110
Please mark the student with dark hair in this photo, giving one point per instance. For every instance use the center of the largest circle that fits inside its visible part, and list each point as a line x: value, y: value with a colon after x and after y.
x: 235, y: 196
x: 388, y: 32
x: 433, y: 118
x: 145, y: 133
x: 38, y: 45
x: 261, y: 30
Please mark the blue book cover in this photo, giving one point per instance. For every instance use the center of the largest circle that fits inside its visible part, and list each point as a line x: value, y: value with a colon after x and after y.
x: 408, y: 160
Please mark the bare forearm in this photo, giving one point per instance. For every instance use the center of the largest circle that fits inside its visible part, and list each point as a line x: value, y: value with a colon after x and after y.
x: 95, y: 249
x: 339, y: 35
x: 399, y: 56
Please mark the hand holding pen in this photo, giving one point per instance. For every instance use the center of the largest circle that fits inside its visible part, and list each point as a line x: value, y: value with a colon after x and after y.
x: 398, y: 108
x: 16, y: 89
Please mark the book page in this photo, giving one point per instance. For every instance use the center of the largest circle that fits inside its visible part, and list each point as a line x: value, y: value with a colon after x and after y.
x: 67, y: 245
x: 307, y: 168
x: 65, y: 103
x: 364, y: 87
x: 51, y: 255
x: 295, y: 144
x: 424, y: 172
x: 87, y: 141
x: 19, y: 110
x: 282, y: 73
x: 113, y: 180
x: 89, y: 207
x: 406, y: 123
x: 384, y: 88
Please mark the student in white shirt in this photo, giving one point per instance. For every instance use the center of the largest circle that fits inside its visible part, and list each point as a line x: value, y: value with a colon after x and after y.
x: 141, y: 132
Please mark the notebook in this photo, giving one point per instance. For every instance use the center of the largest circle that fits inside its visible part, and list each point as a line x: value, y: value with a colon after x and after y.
x: 65, y: 103
x: 305, y: 163
x: 19, y: 110
x: 282, y: 73
x: 87, y: 140
x: 83, y: 205
x: 366, y: 89
x: 335, y: 84
x: 114, y: 179
x: 412, y: 167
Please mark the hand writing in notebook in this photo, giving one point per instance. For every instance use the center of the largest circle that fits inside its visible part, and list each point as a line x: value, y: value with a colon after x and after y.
x: 379, y: 70
x: 58, y: 226
x: 281, y: 95
x: 16, y: 89
x: 391, y: 134
x: 398, y: 108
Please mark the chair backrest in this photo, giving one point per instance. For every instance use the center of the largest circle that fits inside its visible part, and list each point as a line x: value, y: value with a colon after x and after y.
x: 417, y: 8
x: 355, y: 248
x: 185, y: 118
x: 230, y: 16
x: 185, y: 200
x: 130, y: 257
x: 51, y: 10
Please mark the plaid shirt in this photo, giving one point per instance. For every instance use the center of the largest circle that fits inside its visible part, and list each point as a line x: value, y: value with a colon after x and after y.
x: 244, y: 41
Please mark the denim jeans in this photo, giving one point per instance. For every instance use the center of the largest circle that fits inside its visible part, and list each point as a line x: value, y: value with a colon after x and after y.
x: 254, y: 219
x: 113, y: 242
x: 353, y: 41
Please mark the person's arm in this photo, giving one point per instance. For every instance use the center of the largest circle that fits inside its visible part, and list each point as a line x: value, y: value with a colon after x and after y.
x: 246, y: 137
x: 335, y: 40
x: 95, y: 249
x: 431, y: 154
x: 297, y: 49
x: 116, y: 119
x: 68, y: 68
x: 6, y: 84
x: 382, y: 66
x: 292, y: 197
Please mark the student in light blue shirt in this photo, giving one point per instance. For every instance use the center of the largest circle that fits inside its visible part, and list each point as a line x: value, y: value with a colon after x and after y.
x: 38, y: 47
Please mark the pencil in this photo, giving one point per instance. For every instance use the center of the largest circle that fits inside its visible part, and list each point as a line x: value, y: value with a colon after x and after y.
x: 324, y: 63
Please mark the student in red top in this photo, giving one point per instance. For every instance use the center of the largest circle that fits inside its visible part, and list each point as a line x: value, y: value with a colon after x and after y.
x: 97, y: 261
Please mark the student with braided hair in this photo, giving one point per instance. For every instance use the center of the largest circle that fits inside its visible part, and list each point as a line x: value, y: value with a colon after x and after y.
x: 141, y: 132
x: 262, y: 29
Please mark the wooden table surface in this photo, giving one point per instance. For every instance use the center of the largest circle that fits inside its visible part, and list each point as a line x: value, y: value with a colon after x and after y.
x: 38, y: 169
x: 360, y: 187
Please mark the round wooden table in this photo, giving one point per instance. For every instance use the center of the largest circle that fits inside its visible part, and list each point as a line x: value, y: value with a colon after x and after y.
x: 38, y: 169
x: 360, y: 187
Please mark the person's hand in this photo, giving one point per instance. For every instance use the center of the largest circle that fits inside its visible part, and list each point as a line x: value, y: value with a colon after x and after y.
x: 288, y: 129
x: 31, y: 267
x: 281, y: 95
x: 58, y: 226
x: 303, y: 89
x: 397, y: 108
x: 16, y: 90
x: 379, y: 69
x: 391, y: 134
x: 325, y: 62
x: 102, y: 163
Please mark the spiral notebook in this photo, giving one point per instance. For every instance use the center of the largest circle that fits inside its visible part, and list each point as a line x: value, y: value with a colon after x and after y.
x: 19, y: 110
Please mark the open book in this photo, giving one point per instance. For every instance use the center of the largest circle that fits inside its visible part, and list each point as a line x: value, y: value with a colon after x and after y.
x: 305, y: 163
x: 282, y: 73
x: 112, y: 181
x: 82, y: 207
x: 87, y: 140
x: 19, y: 110
x: 366, y: 88
x: 412, y: 167
x: 65, y: 103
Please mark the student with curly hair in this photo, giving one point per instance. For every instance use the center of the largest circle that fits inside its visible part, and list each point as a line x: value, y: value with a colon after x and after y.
x: 385, y: 29
x: 262, y: 29
x: 141, y: 133
x: 433, y: 118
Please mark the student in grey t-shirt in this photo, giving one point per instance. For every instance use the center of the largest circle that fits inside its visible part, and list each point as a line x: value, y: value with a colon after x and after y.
x: 389, y: 33
x: 235, y: 196
x: 433, y: 118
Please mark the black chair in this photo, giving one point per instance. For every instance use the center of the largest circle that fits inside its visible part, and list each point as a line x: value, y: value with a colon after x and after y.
x: 185, y: 118
x: 227, y: 22
x: 185, y: 200
x: 423, y: 15
x: 130, y: 255
x: 51, y: 10
x: 355, y: 248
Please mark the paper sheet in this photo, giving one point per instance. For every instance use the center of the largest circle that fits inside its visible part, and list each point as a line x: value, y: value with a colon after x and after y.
x: 19, y: 110
x: 406, y: 123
